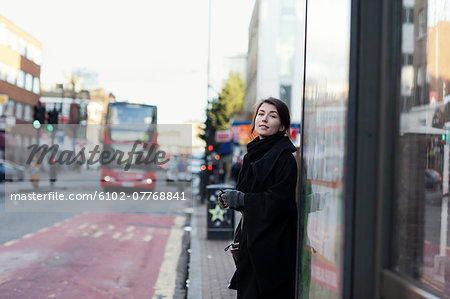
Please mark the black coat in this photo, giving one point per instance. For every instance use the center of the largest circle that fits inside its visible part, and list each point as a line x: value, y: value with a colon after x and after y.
x: 267, y: 252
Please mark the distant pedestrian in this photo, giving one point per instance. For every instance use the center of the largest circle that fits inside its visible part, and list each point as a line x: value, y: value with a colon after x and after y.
x: 35, y: 170
x: 53, y: 172
x: 236, y: 168
x: 265, y: 194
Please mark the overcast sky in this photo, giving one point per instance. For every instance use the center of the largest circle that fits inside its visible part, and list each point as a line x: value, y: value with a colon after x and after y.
x: 142, y: 50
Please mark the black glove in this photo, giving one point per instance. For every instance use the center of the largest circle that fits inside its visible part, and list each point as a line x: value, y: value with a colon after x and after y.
x: 232, y: 199
x: 222, y: 203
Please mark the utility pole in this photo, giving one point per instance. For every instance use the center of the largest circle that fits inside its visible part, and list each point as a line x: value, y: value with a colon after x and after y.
x: 204, y: 174
x: 209, y: 56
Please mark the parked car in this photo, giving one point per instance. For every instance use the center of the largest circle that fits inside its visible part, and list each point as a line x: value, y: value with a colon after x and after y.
x: 10, y: 171
x: 197, y: 165
x: 178, y: 169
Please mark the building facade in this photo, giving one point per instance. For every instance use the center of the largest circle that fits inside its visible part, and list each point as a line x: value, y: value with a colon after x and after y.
x: 20, y: 68
x: 375, y: 152
x: 274, y: 50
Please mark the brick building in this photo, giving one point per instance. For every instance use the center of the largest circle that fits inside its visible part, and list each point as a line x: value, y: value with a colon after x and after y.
x: 20, y: 68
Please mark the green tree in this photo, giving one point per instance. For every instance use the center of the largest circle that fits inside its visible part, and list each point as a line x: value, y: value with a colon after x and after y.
x: 230, y: 100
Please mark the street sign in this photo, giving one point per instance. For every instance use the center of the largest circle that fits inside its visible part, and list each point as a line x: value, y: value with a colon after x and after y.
x: 223, y: 136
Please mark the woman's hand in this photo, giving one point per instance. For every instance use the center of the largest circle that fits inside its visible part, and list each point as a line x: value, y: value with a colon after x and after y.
x: 222, y: 203
x: 232, y: 199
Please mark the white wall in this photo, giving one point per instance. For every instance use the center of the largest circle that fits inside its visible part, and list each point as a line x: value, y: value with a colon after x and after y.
x: 297, y: 81
x: 267, y: 82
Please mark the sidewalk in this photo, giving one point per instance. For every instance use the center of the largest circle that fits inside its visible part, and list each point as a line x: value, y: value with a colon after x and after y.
x: 210, y: 267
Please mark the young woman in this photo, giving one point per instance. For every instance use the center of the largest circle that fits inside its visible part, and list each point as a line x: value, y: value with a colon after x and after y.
x: 265, y: 194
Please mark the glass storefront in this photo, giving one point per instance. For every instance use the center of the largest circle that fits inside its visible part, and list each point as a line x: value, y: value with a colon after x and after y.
x: 324, y: 121
x: 376, y: 150
x: 421, y: 230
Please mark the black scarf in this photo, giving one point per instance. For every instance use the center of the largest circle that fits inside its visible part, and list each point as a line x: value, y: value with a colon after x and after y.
x: 255, y: 150
x: 258, y: 147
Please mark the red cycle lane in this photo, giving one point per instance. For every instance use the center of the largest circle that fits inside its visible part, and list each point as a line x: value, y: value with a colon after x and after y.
x: 93, y: 255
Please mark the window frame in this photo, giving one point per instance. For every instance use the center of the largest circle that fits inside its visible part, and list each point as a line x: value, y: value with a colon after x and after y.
x: 377, y: 131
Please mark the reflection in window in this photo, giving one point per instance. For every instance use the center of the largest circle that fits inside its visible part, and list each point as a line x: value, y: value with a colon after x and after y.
x: 324, y: 122
x: 422, y: 230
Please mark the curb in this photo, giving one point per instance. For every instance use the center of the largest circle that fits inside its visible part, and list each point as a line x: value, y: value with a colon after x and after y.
x: 194, y: 289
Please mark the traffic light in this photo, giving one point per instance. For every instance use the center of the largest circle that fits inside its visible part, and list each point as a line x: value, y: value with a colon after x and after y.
x: 53, y: 117
x: 36, y: 124
x: 38, y: 115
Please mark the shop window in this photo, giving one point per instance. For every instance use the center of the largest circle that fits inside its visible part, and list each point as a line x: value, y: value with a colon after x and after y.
x: 324, y: 122
x: 421, y: 229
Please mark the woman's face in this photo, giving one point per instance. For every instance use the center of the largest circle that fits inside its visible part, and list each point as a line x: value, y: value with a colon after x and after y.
x: 267, y: 121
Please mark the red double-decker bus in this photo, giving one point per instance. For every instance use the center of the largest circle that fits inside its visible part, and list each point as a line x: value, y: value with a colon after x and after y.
x: 127, y: 125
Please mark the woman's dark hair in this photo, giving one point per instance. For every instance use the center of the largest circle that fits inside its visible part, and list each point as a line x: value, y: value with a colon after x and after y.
x: 283, y: 112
